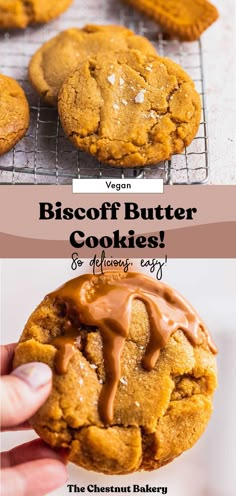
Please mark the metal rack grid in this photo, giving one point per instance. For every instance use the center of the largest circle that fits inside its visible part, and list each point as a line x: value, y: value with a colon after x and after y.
x: 44, y: 155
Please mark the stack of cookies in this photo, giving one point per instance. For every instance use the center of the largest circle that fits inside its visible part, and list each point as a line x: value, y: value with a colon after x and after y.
x: 117, y: 98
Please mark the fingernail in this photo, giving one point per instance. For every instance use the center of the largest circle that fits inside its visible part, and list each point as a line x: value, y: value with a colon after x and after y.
x: 35, y: 374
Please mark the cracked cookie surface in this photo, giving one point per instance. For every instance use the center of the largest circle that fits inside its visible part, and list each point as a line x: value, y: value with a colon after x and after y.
x: 21, y: 13
x: 183, y: 19
x: 130, y: 109
x: 51, y: 65
x: 158, y: 414
x: 14, y: 113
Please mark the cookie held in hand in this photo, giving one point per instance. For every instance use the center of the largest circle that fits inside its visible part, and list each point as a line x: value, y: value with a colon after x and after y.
x: 130, y: 109
x: 14, y: 113
x: 133, y: 371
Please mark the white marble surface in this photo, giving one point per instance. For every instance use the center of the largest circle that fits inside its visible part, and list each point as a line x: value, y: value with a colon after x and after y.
x: 219, y: 50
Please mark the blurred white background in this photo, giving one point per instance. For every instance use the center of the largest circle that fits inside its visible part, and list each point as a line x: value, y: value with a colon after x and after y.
x: 208, y: 469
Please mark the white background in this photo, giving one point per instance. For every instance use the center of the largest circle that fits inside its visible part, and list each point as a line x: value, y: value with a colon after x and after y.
x: 208, y: 469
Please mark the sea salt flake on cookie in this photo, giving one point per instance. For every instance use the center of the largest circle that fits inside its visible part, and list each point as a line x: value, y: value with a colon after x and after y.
x: 112, y: 79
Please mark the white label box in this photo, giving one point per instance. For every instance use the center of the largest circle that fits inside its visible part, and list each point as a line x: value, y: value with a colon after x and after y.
x: 116, y: 186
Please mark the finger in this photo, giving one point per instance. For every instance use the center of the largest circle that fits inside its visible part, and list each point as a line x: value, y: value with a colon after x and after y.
x: 7, y: 353
x: 35, y: 478
x: 33, y: 450
x: 23, y: 392
x: 22, y: 427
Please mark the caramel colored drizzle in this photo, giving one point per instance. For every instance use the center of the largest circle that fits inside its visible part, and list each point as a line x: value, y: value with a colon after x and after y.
x: 105, y: 302
x: 66, y: 346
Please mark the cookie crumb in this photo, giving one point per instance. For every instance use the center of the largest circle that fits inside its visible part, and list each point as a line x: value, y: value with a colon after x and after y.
x: 149, y: 68
x: 112, y: 79
x: 137, y: 403
x: 140, y: 96
x: 153, y: 114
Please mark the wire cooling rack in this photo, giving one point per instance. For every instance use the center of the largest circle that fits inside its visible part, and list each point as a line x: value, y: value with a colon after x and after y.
x: 44, y: 155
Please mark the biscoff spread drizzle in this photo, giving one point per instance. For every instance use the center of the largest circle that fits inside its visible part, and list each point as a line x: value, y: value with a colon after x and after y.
x: 105, y: 302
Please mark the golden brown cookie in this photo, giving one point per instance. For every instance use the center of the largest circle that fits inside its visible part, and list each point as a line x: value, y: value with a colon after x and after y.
x: 21, y: 13
x: 129, y: 109
x: 14, y: 113
x: 184, y: 19
x: 133, y: 371
x: 58, y: 58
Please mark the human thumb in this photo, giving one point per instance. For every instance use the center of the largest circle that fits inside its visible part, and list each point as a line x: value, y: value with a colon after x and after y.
x: 23, y: 392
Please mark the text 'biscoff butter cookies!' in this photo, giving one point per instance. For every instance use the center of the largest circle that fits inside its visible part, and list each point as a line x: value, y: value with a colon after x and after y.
x: 14, y: 113
x: 58, y: 58
x: 184, y: 19
x: 134, y: 371
x: 129, y: 109
x: 21, y: 13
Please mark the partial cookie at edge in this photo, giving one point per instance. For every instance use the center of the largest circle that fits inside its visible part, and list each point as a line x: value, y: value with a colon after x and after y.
x: 14, y: 113
x: 21, y: 13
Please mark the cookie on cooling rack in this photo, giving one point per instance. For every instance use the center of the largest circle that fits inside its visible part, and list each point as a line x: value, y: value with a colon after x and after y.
x: 183, y: 19
x: 58, y: 58
x: 14, y: 113
x: 21, y: 13
x: 133, y: 371
x: 130, y: 109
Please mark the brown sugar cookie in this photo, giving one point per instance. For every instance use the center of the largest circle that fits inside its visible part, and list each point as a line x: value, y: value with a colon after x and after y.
x: 14, y: 113
x: 183, y: 19
x: 58, y: 58
x: 133, y: 371
x: 21, y: 13
x: 129, y: 109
